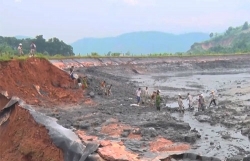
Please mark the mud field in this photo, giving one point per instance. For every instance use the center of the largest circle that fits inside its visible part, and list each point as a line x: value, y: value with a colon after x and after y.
x: 220, y: 132
x: 113, y: 130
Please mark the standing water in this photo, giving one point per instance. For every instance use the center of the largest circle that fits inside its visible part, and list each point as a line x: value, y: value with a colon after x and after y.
x: 216, y: 141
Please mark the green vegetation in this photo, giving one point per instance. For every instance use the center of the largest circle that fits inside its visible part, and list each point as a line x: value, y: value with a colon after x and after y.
x: 234, y: 40
x: 51, y: 47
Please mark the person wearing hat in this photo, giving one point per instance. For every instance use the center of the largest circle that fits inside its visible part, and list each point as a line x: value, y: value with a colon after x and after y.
x: 213, y: 99
x: 20, y: 49
x: 180, y: 103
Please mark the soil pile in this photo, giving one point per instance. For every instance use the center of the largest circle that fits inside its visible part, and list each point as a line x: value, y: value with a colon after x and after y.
x: 22, y: 139
x: 37, y: 81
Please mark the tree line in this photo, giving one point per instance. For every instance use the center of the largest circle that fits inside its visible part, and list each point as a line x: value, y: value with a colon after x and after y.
x: 49, y: 47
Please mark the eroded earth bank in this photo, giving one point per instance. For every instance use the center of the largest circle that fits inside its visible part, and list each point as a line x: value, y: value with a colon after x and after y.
x: 84, y: 124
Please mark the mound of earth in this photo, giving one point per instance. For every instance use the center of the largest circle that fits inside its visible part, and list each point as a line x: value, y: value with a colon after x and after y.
x: 22, y: 138
x: 36, y: 81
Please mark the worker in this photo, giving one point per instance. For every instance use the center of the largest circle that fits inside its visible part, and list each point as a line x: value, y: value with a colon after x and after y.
x: 190, y: 100
x: 158, y: 100
x: 32, y: 49
x: 20, y: 49
x: 153, y: 98
x: 109, y: 90
x: 202, y: 102
x: 103, y: 86
x: 71, y: 72
x: 145, y: 95
x: 213, y: 98
x: 180, y: 103
x: 138, y: 95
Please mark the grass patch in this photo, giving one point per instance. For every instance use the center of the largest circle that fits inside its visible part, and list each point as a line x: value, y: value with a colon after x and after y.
x: 6, y: 57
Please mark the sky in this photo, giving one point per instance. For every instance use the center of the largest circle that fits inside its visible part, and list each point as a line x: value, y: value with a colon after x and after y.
x: 71, y: 20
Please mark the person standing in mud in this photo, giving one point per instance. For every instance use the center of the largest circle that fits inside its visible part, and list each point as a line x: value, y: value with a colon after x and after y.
x: 202, y: 102
x: 158, y: 100
x: 213, y: 99
x: 190, y: 100
x: 138, y: 95
x: 145, y: 95
x: 152, y: 98
x: 103, y: 87
x: 109, y: 90
x: 180, y: 103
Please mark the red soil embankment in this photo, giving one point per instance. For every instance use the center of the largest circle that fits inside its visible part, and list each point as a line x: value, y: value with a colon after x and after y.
x: 22, y: 139
x: 20, y: 78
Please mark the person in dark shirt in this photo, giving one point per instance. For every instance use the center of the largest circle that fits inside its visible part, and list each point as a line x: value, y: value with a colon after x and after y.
x: 71, y: 72
x: 79, y: 81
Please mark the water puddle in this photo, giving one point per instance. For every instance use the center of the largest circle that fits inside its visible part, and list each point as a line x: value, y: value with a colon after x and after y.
x: 216, y: 141
x: 211, y: 143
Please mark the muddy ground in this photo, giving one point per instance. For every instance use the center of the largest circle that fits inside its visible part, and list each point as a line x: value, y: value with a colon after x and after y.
x: 220, y: 132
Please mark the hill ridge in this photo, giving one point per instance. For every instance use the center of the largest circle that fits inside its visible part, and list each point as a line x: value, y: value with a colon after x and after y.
x: 141, y: 42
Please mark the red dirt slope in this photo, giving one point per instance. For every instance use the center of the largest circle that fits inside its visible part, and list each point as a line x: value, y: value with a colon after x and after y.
x: 22, y: 139
x: 19, y: 78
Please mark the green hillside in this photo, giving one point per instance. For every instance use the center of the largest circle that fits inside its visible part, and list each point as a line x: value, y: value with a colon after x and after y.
x: 233, y: 40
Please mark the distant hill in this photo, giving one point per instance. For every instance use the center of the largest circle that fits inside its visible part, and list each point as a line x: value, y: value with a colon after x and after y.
x: 139, y: 43
x: 233, y: 40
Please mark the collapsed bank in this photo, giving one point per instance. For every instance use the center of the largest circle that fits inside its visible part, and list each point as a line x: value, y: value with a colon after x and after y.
x: 65, y: 143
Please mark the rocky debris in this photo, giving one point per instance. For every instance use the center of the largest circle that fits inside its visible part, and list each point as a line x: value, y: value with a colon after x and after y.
x: 203, y: 118
x: 126, y: 132
x: 186, y: 156
x: 246, y: 158
x: 191, y: 137
x: 245, y: 131
x: 94, y: 157
x: 225, y: 135
x: 86, y: 138
x: 149, y: 132
x: 164, y: 145
x: 92, y: 94
x: 116, y: 151
x: 235, y: 158
x: 114, y: 129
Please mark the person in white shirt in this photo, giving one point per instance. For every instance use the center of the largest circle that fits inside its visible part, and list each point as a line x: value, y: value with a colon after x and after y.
x: 20, y: 49
x: 138, y: 95
x: 180, y: 103
x: 145, y: 95
x: 190, y: 100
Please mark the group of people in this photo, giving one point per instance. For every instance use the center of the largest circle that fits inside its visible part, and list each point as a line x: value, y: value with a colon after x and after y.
x: 81, y: 80
x: 106, y: 89
x: 155, y: 98
x: 32, y: 49
x: 143, y: 97
x: 201, y: 102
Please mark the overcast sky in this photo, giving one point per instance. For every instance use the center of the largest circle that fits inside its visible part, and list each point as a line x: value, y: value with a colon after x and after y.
x: 71, y: 20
